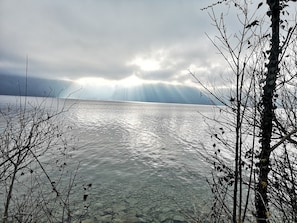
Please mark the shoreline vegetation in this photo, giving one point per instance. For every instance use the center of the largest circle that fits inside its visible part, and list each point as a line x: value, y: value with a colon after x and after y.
x: 35, y: 180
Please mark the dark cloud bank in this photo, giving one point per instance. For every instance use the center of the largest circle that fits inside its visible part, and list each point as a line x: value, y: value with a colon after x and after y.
x: 16, y: 85
x: 163, y: 93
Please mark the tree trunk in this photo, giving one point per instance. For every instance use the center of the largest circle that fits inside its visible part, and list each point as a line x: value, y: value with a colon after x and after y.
x: 267, y: 115
x: 8, y: 198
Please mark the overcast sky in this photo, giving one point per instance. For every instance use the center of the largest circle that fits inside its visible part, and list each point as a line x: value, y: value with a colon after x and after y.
x: 107, y: 42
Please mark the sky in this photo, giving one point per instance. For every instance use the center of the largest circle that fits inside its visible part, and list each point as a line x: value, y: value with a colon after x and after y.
x: 107, y: 44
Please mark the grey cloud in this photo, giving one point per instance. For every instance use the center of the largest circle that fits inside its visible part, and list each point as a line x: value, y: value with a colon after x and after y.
x: 98, y: 38
x: 162, y: 75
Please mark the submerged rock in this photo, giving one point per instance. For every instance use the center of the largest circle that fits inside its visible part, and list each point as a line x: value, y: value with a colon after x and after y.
x: 104, y: 219
x: 108, y: 211
x: 88, y: 221
x: 179, y: 219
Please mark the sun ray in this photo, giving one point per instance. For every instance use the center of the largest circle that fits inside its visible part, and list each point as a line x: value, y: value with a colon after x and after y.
x: 131, y: 81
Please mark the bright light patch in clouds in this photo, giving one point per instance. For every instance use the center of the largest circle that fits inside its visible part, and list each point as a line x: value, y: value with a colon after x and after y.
x: 99, y: 82
x: 130, y: 81
x: 146, y: 64
x: 92, y: 81
x: 151, y: 62
x: 106, y: 42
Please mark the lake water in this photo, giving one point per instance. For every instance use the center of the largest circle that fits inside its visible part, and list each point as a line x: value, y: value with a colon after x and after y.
x: 141, y: 158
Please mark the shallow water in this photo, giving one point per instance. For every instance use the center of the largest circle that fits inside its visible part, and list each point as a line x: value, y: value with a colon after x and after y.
x: 143, y: 151
x: 141, y: 158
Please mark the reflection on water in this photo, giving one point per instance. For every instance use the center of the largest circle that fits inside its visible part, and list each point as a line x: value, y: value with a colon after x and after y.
x: 142, y: 150
x: 140, y: 156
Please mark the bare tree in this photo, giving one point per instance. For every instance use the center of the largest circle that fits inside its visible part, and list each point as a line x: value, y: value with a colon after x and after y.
x: 34, y: 154
x: 260, y: 139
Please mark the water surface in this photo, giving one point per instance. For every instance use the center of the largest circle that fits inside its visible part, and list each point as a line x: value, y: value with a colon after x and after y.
x: 139, y: 156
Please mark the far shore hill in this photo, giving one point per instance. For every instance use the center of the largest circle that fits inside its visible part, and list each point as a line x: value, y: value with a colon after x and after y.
x: 39, y: 87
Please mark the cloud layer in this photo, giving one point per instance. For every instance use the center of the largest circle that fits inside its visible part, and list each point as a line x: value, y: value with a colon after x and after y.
x: 155, y: 40
x: 120, y: 42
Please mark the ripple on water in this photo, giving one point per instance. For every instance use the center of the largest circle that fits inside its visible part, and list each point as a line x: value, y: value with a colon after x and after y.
x: 140, y: 158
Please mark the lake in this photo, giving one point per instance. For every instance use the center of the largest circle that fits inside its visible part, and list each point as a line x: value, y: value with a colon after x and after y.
x: 141, y: 158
